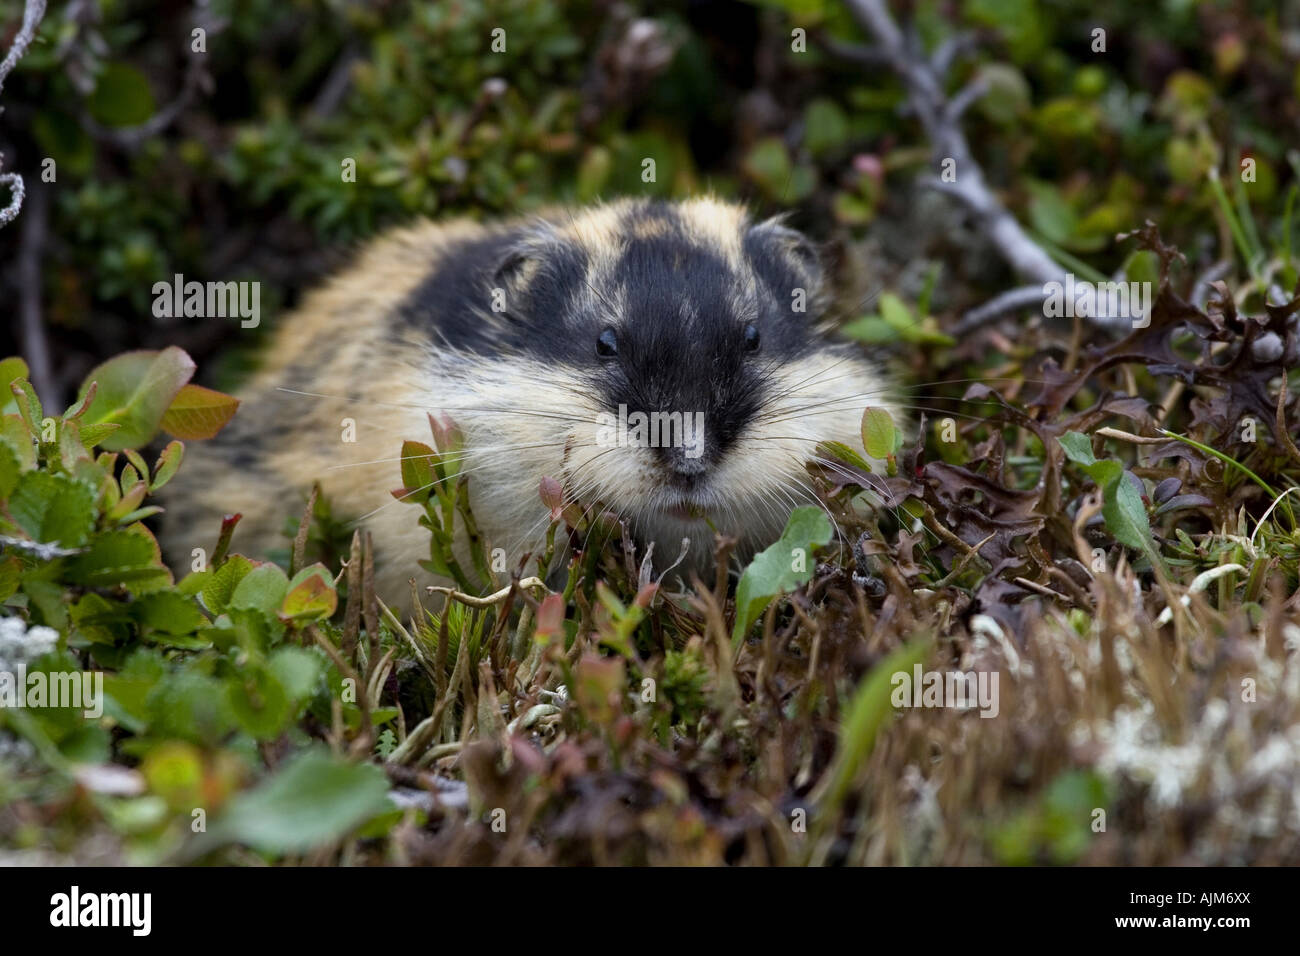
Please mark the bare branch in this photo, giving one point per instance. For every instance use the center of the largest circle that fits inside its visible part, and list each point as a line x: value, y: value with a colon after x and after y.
x: 1012, y: 300
x: 17, y: 190
x: 33, y: 11
x: 947, y: 52
x: 850, y: 52
x: 31, y: 249
x: 939, y: 116
x: 196, y: 80
x: 965, y: 99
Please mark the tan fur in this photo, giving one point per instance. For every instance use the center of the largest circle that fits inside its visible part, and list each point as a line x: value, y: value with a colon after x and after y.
x: 522, y: 419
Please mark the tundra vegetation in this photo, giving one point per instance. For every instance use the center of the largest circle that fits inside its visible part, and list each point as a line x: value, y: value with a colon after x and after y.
x: 1098, y: 513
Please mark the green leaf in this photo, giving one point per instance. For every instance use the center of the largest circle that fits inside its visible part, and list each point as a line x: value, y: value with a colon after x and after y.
x: 168, y: 612
x: 259, y: 702
x: 29, y: 406
x: 252, y: 629
x: 53, y: 508
x: 217, y: 589
x: 826, y: 127
x: 417, y: 470
x: 867, y: 713
x: 127, y: 557
x: 1121, y: 508
x: 1009, y: 95
x: 878, y: 433
x: 14, y: 431
x: 298, y: 669
x: 197, y: 413
x: 845, y: 453
x: 769, y: 165
x: 11, y: 370
x: 92, y: 435
x: 1143, y: 266
x: 1078, y: 448
x: 780, y: 568
x: 316, y: 799
x: 169, y: 460
x: 262, y: 589
x: 135, y: 390
x: 10, y: 469
x: 121, y: 97
x: 1125, y: 514
x: 895, y: 311
x: 896, y: 322
x: 11, y: 567
x: 1051, y: 214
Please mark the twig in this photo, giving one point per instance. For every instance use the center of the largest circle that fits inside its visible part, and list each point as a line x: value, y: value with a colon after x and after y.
x: 491, y: 599
x: 31, y: 249
x: 960, y: 566
x: 336, y: 84
x: 33, y: 11
x: 940, y: 117
x: 1045, y: 591
x: 1283, y: 435
x: 1199, y: 583
x: 196, y: 79
x: 1204, y: 284
x: 1130, y: 437
x: 1012, y: 300
x: 304, y: 529
x: 366, y: 739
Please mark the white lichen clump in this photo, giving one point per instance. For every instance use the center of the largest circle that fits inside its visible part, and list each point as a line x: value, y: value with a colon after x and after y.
x: 20, y: 644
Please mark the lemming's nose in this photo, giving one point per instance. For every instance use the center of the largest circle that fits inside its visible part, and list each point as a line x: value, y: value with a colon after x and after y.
x: 684, y: 471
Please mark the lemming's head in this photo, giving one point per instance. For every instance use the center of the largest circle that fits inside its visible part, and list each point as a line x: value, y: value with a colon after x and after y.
x: 677, y: 346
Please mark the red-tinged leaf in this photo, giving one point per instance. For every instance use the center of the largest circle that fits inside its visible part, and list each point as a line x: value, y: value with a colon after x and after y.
x: 311, y: 596
x: 550, y: 618
x: 197, y: 413
x: 29, y: 406
x: 552, y: 495
x: 78, y: 408
x: 447, y: 437
x: 129, y: 501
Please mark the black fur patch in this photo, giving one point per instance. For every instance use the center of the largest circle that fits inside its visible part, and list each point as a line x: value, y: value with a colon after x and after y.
x: 680, y: 336
x: 454, y: 303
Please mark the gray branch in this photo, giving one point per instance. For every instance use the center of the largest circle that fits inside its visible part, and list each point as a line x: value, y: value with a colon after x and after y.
x: 1023, y: 297
x: 31, y: 250
x: 33, y: 11
x: 940, y: 116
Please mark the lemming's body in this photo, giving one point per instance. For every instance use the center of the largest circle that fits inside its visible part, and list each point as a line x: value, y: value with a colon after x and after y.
x: 535, y: 337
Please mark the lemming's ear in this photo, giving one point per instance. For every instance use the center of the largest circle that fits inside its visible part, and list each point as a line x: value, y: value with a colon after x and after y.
x: 519, y: 264
x: 785, y: 259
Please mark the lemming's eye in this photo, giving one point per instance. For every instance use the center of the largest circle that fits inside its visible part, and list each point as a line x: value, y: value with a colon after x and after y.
x: 607, y: 343
x: 751, y: 338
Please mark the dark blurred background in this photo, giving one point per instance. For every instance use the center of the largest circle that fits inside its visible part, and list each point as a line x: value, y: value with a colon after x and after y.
x: 225, y: 164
